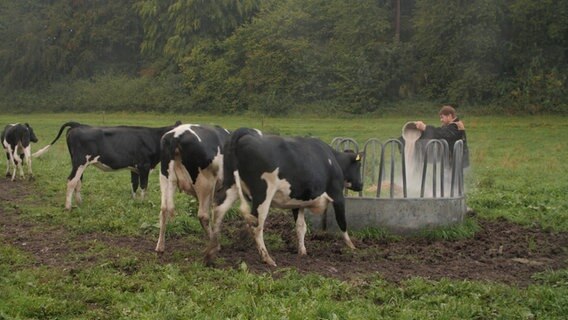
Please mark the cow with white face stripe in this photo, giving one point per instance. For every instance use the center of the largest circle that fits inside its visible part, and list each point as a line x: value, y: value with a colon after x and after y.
x: 16, y: 140
x: 192, y: 162
x: 110, y: 148
x: 292, y: 173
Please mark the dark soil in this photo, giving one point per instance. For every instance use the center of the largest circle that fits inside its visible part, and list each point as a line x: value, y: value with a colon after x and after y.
x: 500, y: 252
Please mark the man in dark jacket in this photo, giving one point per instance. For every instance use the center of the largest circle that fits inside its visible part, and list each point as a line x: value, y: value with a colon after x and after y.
x: 452, y: 130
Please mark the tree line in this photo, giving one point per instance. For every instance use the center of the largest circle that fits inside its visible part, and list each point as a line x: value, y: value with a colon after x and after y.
x: 267, y: 56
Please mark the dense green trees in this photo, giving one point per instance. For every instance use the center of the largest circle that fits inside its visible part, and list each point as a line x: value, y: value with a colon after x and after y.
x: 44, y: 41
x: 270, y: 56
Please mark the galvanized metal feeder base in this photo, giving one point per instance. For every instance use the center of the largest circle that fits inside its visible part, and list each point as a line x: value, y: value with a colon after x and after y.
x: 403, y: 216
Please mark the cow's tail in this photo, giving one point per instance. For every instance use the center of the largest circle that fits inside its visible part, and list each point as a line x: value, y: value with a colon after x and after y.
x: 168, y: 146
x: 70, y: 124
x: 230, y: 160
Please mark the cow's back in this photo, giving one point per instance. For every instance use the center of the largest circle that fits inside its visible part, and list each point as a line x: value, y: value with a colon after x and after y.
x: 308, y: 164
x: 116, y: 147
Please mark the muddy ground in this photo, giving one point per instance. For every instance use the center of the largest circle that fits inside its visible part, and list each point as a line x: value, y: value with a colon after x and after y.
x: 500, y: 252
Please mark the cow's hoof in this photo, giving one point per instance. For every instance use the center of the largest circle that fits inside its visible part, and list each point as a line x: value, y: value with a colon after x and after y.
x: 470, y: 212
x: 209, y: 262
x: 268, y: 260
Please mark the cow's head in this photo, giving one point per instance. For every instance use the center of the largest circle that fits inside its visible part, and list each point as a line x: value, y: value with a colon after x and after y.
x: 352, y: 171
x: 33, y: 137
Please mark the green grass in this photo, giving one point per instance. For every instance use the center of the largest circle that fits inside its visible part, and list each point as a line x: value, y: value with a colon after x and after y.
x: 518, y: 172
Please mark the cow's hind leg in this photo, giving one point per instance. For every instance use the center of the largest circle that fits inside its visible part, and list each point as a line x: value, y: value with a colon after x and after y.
x: 74, y: 180
x: 134, y: 180
x: 301, y: 229
x: 167, y: 189
x: 8, y: 162
x: 14, y: 162
x: 244, y: 206
x: 205, y: 189
x: 219, y: 212
x: 262, y: 210
x: 77, y: 193
x: 143, y: 177
x: 74, y: 186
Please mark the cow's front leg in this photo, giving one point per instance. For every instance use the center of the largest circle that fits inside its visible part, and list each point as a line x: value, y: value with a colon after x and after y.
x: 8, y: 164
x: 28, y: 158
x: 339, y: 208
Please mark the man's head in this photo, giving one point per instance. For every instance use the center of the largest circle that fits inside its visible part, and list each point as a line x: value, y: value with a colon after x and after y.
x: 447, y: 114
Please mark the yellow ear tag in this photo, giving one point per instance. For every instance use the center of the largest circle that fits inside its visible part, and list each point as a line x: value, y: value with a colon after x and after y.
x: 358, y: 157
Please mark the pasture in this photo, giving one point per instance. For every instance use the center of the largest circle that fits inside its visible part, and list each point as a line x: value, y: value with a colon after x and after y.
x: 97, y: 261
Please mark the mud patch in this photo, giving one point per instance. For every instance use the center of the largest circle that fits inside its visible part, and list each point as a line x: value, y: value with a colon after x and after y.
x: 500, y: 252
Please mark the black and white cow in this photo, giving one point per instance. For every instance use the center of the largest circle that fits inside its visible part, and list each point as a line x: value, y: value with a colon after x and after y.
x: 16, y: 140
x: 110, y: 148
x: 192, y: 162
x: 285, y: 172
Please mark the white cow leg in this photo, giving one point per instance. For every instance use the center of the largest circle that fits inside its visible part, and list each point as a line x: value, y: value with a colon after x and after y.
x: 161, y: 245
x: 17, y: 165
x: 217, y: 220
x: 244, y: 207
x: 78, y: 197
x: 167, y: 207
x: 259, y: 230
x: 69, y: 195
x: 204, y: 189
x: 301, y: 232
x: 132, y: 193
x: 220, y: 211
x: 8, y: 166
x: 72, y: 185
x: 11, y: 163
x: 348, y: 240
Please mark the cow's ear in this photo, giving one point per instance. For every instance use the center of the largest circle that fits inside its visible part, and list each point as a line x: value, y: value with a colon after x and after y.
x: 27, y: 125
x: 359, y: 156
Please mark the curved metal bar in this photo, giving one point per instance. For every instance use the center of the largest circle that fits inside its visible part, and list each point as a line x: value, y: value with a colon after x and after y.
x: 335, y: 142
x: 345, y: 144
x: 434, y: 144
x: 395, y: 143
x: 374, y: 142
x: 457, y: 168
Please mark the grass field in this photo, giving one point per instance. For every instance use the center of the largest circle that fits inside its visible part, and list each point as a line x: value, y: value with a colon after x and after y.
x: 518, y: 172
